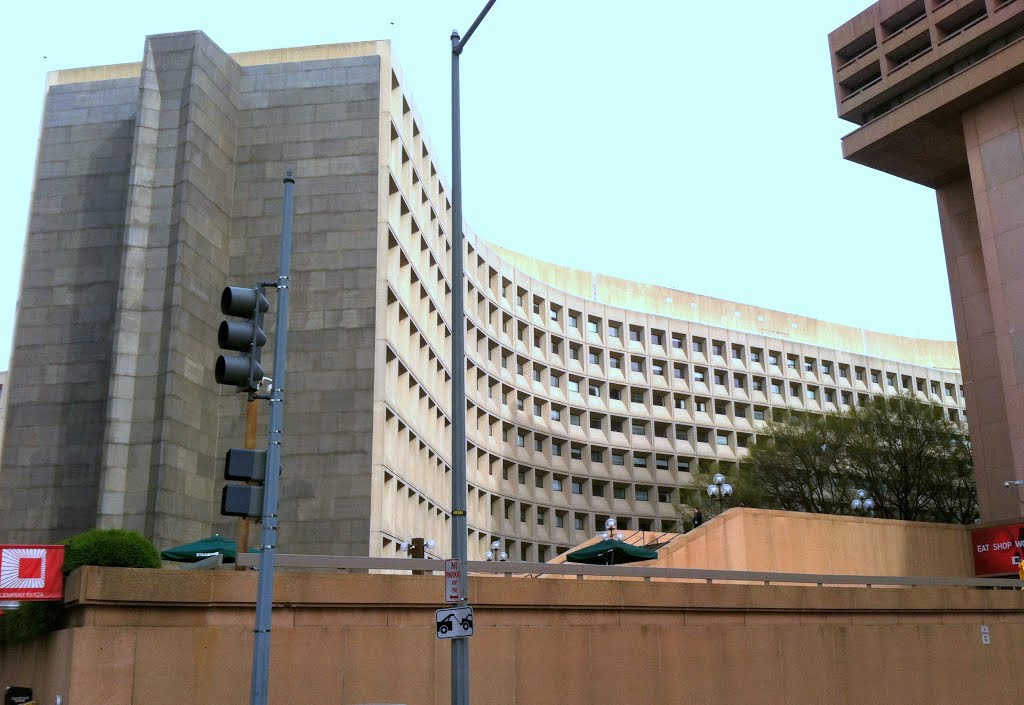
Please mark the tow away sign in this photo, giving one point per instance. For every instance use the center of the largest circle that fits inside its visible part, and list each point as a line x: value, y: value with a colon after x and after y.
x: 453, y: 580
x: 454, y: 622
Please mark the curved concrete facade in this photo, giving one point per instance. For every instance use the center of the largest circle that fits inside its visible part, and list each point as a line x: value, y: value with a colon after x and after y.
x: 588, y: 397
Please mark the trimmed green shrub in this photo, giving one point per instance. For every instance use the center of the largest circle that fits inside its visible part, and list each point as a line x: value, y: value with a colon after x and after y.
x: 104, y: 547
x: 110, y: 547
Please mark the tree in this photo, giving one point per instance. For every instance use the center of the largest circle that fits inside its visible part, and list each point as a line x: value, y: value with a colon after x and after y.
x: 800, y: 464
x: 913, y: 461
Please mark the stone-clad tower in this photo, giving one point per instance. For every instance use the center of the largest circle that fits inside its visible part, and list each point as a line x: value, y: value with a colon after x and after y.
x: 157, y: 185
x: 937, y: 88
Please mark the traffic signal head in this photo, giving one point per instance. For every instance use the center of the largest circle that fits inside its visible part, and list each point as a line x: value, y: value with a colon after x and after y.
x: 244, y: 500
x: 245, y: 336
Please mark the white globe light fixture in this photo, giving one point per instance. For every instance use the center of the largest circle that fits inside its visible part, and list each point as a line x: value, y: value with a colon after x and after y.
x: 719, y: 490
x: 862, y: 503
x: 496, y: 554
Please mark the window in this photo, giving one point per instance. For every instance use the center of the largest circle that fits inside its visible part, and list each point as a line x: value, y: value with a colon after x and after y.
x: 639, y: 461
x: 555, y: 347
x: 737, y: 352
x: 559, y: 521
x: 755, y: 356
x: 700, y: 406
x: 636, y: 397
x: 757, y: 384
x: 536, y: 409
x: 575, y: 453
x: 536, y: 307
x: 556, y: 380
x: 613, y: 330
x: 519, y: 368
x: 679, y: 371
x: 552, y: 314
x: 594, y: 358
x: 595, y: 423
x: 808, y: 365
x: 638, y: 429
x: 658, y: 369
x: 655, y: 338
x: 596, y: 456
x: 698, y: 345
x: 773, y: 358
x: 614, y: 362
x: 538, y: 444
x: 522, y: 477
x: 536, y: 375
x: 720, y: 378
x: 520, y: 403
x: 556, y: 484
x: 594, y: 390
x: 618, y: 459
x: 758, y: 415
x: 677, y: 342
x: 577, y: 487
x: 737, y: 382
x: 716, y: 348
x: 615, y: 394
x: 698, y: 376
x: 661, y: 463
x: 574, y: 322
x: 875, y: 377
x: 578, y: 523
x: 540, y: 517
x: 791, y: 362
x: 890, y: 380
x: 636, y: 365
x: 574, y: 419
x: 642, y: 494
x: 826, y: 368
x: 722, y: 439
x: 556, y: 449
x: 574, y: 385
x: 812, y: 393
x: 539, y: 482
x: 776, y: 387
x: 574, y: 353
x: 556, y: 415
x: 616, y: 426
x: 593, y: 326
x: 619, y: 492
x: 520, y: 440
x: 844, y: 372
x: 597, y: 490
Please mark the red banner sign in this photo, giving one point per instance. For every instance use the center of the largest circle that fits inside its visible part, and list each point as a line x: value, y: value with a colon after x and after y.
x: 998, y: 550
x: 31, y: 572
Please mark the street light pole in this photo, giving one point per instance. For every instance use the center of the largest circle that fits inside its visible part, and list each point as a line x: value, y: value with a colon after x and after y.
x: 460, y: 531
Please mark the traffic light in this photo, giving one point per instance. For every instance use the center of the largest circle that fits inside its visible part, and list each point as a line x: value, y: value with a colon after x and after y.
x: 244, y: 500
x: 245, y: 336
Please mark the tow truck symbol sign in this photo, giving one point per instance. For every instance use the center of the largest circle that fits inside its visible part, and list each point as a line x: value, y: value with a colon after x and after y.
x: 454, y: 623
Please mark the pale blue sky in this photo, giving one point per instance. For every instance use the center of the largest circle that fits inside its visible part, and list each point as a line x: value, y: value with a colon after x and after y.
x: 692, y: 145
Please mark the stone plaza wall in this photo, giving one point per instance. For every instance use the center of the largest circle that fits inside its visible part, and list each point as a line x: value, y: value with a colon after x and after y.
x: 157, y: 637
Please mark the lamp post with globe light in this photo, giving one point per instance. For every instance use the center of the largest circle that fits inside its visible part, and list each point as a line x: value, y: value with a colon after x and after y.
x: 609, y: 531
x: 719, y: 490
x: 496, y: 554
x: 863, y: 503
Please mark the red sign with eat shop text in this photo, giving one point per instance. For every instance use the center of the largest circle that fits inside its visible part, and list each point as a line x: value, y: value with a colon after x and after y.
x: 31, y: 573
x: 998, y: 550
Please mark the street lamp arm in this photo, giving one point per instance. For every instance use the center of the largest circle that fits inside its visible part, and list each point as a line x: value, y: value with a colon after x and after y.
x: 459, y: 44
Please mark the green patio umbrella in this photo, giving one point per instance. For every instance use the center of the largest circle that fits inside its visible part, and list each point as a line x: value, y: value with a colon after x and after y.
x: 204, y: 548
x: 611, y: 552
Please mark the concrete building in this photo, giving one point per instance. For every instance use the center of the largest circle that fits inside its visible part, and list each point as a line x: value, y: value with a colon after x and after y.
x: 937, y: 90
x: 159, y: 183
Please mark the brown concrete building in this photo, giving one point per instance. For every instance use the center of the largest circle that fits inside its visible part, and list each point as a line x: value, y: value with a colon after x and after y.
x: 937, y: 88
x: 588, y: 396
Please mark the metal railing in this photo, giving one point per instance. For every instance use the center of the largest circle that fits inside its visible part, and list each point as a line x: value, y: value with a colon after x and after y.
x: 648, y: 573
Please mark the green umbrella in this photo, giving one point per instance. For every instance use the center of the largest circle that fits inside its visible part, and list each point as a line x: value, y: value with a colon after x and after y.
x: 611, y: 552
x: 204, y: 548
